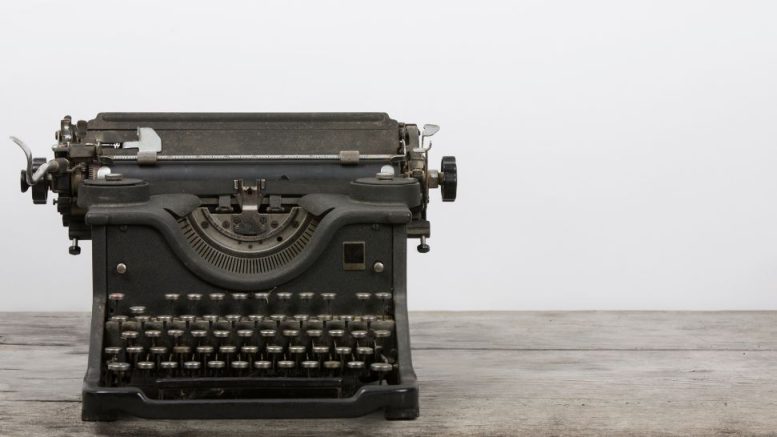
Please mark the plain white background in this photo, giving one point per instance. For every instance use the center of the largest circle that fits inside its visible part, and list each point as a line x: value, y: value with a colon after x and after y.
x: 612, y: 155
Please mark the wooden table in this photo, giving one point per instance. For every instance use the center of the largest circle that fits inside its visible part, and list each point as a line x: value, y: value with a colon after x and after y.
x: 481, y: 373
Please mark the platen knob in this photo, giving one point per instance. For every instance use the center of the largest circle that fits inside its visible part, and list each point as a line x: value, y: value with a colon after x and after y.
x: 449, y: 178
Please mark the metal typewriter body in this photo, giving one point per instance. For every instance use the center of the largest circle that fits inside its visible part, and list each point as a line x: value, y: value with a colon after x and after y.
x: 245, y: 265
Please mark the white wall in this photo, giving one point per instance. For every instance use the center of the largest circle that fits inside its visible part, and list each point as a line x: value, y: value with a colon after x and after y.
x: 613, y: 155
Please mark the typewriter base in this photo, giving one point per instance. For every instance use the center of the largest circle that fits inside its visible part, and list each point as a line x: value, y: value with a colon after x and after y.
x: 399, y: 402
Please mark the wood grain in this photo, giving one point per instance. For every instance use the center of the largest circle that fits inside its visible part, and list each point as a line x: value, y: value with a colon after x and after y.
x: 481, y: 373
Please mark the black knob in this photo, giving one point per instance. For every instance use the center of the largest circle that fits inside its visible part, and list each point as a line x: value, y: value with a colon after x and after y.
x: 449, y: 178
x: 74, y: 250
x: 24, y: 185
x: 423, y: 248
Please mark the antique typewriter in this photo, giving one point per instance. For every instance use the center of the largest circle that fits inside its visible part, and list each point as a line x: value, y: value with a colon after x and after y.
x: 245, y: 265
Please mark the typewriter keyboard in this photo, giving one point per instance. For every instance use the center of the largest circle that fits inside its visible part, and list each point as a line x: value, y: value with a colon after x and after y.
x: 237, y: 345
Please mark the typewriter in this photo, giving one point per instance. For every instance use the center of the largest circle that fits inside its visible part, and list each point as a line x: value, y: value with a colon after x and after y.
x: 245, y: 265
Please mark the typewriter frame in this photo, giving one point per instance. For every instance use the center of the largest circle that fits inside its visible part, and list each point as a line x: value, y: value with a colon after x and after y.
x: 101, y: 403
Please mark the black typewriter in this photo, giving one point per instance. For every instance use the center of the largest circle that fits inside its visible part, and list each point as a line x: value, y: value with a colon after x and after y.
x: 245, y: 265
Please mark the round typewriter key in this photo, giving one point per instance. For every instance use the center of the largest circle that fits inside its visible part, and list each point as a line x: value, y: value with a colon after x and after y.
x: 211, y: 319
x: 278, y: 317
x: 382, y: 333
x: 112, y: 350
x: 116, y: 297
x: 305, y: 296
x: 332, y: 365
x: 204, y: 349
x: 158, y: 350
x: 169, y: 366
x: 199, y: 333
x: 172, y: 296
x: 286, y: 364
x: 343, y: 350
x: 137, y: 310
x: 221, y: 333
x: 182, y: 350
x: 216, y: 364
x: 145, y: 365
x: 245, y: 333
x: 227, y: 349
x: 188, y: 318
x: 142, y: 319
x: 194, y: 297
x: 134, y: 350
x: 118, y: 366
x: 325, y: 317
x: 290, y: 332
x: 255, y: 318
x: 383, y: 296
x: 309, y: 364
x: 301, y: 317
x: 320, y: 349
x: 152, y: 333
x: 284, y: 296
x: 358, y: 334
x: 314, y: 333
x: 267, y: 333
x: 336, y: 333
x: 262, y: 364
x: 249, y: 349
x: 233, y: 319
x: 262, y: 296
x: 192, y: 365
x: 175, y: 333
x: 216, y: 296
x: 355, y: 364
x: 381, y: 369
x: 239, y: 296
x: 364, y: 350
x: 296, y: 349
x: 363, y: 296
x: 345, y: 317
x: 129, y: 335
x: 328, y: 296
x: 239, y: 364
x: 274, y: 349
x: 119, y: 319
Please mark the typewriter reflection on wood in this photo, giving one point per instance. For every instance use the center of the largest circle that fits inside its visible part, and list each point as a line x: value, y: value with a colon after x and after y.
x: 245, y: 265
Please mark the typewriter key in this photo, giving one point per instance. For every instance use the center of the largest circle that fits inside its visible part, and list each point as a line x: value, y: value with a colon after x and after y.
x: 262, y: 364
x: 284, y: 296
x: 233, y: 319
x: 192, y: 366
x: 198, y: 333
x: 359, y: 334
x: 113, y: 352
x: 204, y: 349
x: 172, y: 298
x: 216, y: 364
x: 134, y: 352
x: 118, y: 368
x: 314, y: 333
x: 320, y: 349
x: 306, y: 296
x: 309, y: 366
x: 381, y: 369
x: 227, y: 349
x: 211, y: 319
x: 168, y: 366
x: 145, y: 365
x: 264, y: 296
x: 245, y: 333
x: 115, y: 298
x: 355, y: 364
x: 239, y: 296
x: 220, y: 333
x: 267, y: 333
x: 239, y: 365
x: 332, y: 365
x: 137, y: 310
x: 249, y: 349
x: 216, y: 297
x: 336, y: 333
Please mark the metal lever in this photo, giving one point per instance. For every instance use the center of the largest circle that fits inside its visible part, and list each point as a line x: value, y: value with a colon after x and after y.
x: 31, y: 178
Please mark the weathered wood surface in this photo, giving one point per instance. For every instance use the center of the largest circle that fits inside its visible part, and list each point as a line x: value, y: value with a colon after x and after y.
x: 481, y: 373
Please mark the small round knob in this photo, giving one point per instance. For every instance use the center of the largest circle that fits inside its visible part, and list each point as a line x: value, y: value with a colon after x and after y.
x: 121, y: 268
x: 449, y: 179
